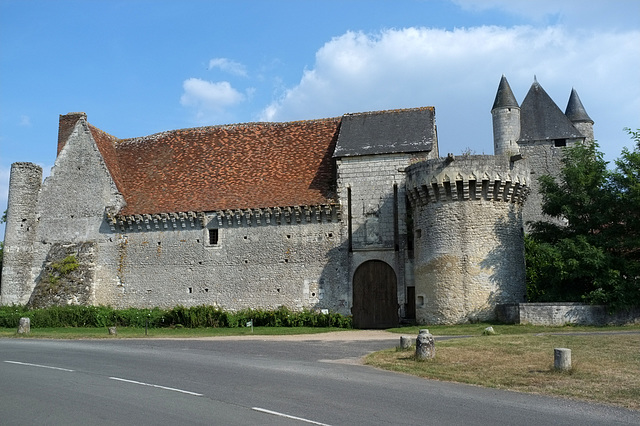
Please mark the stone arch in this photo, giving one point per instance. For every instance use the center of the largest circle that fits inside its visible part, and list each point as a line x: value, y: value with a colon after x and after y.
x: 375, y: 297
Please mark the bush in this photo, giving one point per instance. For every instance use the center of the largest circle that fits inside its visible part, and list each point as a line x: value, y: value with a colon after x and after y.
x: 193, y: 317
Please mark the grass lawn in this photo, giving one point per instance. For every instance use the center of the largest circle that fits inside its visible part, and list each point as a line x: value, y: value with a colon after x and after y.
x: 606, y: 367
x: 134, y: 332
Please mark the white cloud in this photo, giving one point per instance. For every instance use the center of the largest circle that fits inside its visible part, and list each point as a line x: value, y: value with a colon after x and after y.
x: 458, y: 72
x: 229, y: 66
x: 209, y: 99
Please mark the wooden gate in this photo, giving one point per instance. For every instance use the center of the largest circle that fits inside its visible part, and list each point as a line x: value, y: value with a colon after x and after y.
x: 375, y: 297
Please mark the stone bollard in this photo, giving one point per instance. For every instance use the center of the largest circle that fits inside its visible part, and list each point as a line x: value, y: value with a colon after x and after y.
x: 113, y: 331
x: 24, y: 326
x: 405, y: 342
x: 425, y: 346
x: 562, y: 359
x: 489, y: 331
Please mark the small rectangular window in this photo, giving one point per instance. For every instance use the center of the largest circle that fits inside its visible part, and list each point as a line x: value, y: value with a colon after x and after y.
x: 560, y: 142
x: 213, y: 237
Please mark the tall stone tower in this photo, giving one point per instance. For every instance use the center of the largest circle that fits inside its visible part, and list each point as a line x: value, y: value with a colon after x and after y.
x: 506, y: 120
x: 469, y: 248
x: 20, y: 233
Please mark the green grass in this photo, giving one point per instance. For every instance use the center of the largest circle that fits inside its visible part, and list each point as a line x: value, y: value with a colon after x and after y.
x: 477, y: 329
x: 178, y: 332
x: 606, y: 367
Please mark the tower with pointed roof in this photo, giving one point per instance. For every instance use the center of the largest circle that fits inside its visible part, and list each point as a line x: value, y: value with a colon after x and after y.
x: 540, y: 130
x: 506, y: 120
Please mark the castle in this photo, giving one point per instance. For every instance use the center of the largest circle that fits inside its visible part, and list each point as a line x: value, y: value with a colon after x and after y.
x: 357, y: 214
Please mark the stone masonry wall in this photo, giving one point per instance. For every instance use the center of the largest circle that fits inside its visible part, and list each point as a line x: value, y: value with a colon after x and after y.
x: 506, y: 130
x: 469, y: 248
x: 68, y: 276
x: 20, y: 233
x: 299, y: 265
x: 371, y: 180
x: 544, y: 158
x: 72, y: 202
x: 559, y: 314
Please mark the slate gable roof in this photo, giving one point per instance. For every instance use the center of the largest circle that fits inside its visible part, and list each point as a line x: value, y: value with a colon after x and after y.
x: 387, y: 132
x: 254, y: 165
x: 541, y: 119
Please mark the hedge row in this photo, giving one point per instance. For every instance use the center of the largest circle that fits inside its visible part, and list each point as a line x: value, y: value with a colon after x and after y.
x: 194, y: 317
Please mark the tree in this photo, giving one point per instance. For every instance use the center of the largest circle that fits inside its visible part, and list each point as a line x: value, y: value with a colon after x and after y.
x: 594, y: 255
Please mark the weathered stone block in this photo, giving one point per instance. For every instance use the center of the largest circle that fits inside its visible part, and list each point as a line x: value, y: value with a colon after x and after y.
x: 406, y: 342
x: 24, y: 326
x: 562, y: 359
x: 425, y: 346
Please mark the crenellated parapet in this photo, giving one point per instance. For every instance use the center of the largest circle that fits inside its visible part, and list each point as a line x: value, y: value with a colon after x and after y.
x: 467, y: 219
x: 468, y: 178
x: 224, y: 218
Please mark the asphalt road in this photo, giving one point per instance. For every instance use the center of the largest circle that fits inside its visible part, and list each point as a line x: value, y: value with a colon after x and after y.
x: 250, y: 382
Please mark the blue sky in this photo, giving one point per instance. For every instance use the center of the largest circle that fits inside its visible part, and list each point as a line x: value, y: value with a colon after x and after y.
x: 139, y: 67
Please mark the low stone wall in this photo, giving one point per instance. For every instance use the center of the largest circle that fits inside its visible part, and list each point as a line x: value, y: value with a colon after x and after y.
x: 564, y: 313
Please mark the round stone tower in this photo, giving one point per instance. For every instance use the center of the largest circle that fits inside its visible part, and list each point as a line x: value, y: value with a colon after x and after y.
x: 506, y: 120
x: 469, y: 246
x: 24, y: 186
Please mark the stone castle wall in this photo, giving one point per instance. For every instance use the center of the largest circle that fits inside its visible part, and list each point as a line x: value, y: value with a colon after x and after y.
x: 544, y: 158
x: 251, y: 265
x: 469, y: 250
x: 375, y: 188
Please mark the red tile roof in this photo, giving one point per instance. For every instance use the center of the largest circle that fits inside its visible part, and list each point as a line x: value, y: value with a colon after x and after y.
x: 253, y: 165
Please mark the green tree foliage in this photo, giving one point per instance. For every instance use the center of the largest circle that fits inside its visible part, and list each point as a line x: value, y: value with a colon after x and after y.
x: 593, y: 256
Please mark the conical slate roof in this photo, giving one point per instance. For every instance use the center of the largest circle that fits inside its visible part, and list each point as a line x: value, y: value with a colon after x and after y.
x: 504, y: 96
x: 575, y: 110
x: 541, y: 119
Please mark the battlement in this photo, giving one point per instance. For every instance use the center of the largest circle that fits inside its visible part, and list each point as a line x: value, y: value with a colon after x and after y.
x: 467, y: 178
x: 225, y: 218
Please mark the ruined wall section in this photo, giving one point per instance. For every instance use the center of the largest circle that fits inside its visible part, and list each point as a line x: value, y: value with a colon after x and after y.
x: 67, y: 277
x: 469, y: 247
x: 372, y: 189
x: 20, y: 233
x: 293, y: 257
x: 71, y: 205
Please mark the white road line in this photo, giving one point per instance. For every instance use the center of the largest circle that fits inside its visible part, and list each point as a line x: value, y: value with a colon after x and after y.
x: 156, y: 386
x: 38, y: 365
x: 275, y: 413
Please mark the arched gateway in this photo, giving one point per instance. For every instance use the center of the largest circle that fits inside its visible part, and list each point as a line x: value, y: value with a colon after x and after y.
x: 375, y: 297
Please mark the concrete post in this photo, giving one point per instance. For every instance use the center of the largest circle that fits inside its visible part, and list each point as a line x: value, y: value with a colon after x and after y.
x: 405, y: 342
x: 24, y: 326
x: 562, y: 359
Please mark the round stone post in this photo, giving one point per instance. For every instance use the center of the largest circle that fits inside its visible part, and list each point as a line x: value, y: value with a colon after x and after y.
x: 425, y: 345
x: 405, y: 342
x: 562, y: 359
x: 24, y: 326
